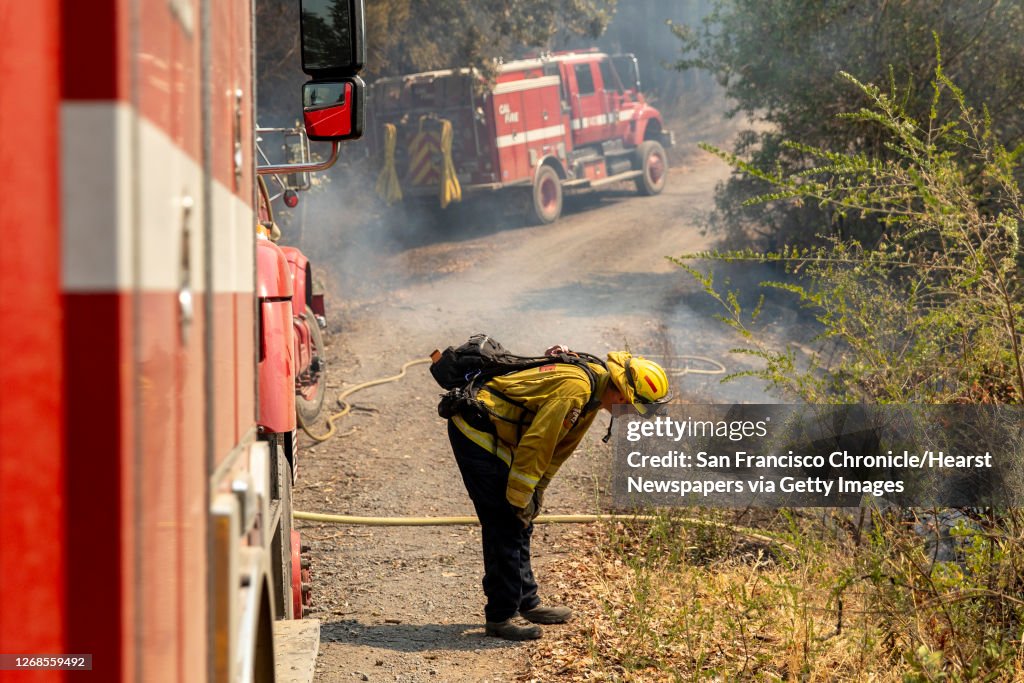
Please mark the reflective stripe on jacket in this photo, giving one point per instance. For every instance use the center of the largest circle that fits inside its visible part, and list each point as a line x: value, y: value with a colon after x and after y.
x: 535, y: 437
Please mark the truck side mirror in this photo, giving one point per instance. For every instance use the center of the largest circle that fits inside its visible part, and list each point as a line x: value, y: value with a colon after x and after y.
x: 332, y: 38
x: 334, y: 110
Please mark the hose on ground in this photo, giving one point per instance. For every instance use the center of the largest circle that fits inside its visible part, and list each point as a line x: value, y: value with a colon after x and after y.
x: 718, y: 369
x: 346, y: 407
x: 543, y: 519
x: 468, y: 520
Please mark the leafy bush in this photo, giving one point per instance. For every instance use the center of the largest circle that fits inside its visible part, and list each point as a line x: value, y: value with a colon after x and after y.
x: 815, y: 598
x: 930, y: 310
x: 779, y: 62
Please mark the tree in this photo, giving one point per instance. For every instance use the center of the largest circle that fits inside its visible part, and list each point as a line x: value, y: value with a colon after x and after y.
x: 780, y: 61
x: 933, y: 311
x: 405, y: 36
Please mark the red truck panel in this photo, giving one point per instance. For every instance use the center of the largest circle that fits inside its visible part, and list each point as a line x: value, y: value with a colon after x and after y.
x: 528, y: 118
x: 547, y: 126
x: 590, y: 112
x: 117, y: 496
x: 509, y: 129
x: 33, y: 450
x: 99, y: 30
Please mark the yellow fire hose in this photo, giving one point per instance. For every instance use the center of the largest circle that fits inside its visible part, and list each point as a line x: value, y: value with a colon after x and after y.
x: 451, y: 191
x: 467, y: 520
x: 543, y: 519
x: 715, y: 369
x: 388, y: 187
x: 348, y: 407
x: 719, y: 369
x: 457, y: 521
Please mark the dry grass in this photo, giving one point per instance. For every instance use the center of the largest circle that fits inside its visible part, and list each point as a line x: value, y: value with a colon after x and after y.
x: 672, y: 601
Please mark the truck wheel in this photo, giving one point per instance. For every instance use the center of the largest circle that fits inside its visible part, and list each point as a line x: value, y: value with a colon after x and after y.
x: 546, y: 206
x: 311, y: 381
x: 651, y: 159
x: 301, y: 578
x: 281, y: 552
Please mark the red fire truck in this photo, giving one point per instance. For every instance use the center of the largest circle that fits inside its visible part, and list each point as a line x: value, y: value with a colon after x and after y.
x: 147, y: 369
x: 308, y: 313
x: 564, y: 122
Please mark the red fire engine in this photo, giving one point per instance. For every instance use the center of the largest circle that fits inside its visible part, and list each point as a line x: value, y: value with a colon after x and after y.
x: 147, y: 359
x: 565, y: 122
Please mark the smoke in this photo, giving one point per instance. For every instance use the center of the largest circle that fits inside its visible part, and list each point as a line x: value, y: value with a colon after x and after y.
x: 346, y: 223
x: 369, y: 250
x: 641, y: 27
x: 429, y: 277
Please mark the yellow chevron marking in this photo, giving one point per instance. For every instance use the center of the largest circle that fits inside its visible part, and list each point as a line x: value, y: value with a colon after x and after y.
x: 423, y: 166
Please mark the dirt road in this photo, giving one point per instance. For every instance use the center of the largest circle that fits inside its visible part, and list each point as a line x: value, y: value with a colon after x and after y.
x: 405, y: 604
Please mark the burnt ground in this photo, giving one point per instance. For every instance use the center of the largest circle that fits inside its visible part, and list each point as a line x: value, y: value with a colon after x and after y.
x: 405, y: 604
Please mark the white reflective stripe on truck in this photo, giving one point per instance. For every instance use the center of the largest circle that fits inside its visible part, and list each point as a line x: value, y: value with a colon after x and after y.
x: 530, y: 136
x: 117, y: 236
x: 526, y: 84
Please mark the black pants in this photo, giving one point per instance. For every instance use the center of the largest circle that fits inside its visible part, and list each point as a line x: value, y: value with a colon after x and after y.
x: 508, y: 579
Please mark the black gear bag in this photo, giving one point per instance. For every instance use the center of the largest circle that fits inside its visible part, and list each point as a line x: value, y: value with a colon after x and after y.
x: 464, y: 369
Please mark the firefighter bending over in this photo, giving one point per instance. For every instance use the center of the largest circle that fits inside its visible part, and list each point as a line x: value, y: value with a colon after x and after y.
x: 535, y: 419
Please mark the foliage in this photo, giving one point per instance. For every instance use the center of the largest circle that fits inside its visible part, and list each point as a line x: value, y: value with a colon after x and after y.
x: 417, y: 36
x: 927, y: 310
x: 930, y: 311
x: 780, y: 60
x: 835, y: 599
x: 405, y: 36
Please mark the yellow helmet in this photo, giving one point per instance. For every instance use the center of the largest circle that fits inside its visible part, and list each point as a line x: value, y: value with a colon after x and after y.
x: 640, y: 381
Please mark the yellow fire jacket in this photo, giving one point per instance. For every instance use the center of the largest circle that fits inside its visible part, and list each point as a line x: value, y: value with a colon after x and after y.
x: 535, y: 439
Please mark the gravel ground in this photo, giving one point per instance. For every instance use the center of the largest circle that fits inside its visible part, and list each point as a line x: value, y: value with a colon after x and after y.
x: 405, y: 604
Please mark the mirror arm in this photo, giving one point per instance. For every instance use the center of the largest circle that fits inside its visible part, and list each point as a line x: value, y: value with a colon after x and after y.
x: 303, y: 168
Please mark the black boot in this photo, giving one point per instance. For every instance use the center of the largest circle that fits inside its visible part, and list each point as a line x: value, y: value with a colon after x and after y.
x: 547, y: 615
x: 509, y: 631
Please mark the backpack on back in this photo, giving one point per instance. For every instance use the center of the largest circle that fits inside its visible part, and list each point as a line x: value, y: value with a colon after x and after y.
x: 464, y: 369
x: 458, y: 366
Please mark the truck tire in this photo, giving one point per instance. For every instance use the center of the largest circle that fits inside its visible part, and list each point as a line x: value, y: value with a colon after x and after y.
x: 309, y: 389
x: 651, y: 159
x: 546, y: 204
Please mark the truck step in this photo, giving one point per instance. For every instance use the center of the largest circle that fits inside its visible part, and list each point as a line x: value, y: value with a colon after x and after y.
x: 583, y: 183
x: 617, y: 178
x: 296, y: 644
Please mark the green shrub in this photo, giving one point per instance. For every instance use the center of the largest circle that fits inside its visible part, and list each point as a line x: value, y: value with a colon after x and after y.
x: 930, y: 311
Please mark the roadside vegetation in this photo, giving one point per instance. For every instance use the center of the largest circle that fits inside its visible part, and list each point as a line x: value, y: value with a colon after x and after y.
x: 780, y: 62
x: 832, y: 599
x: 929, y: 310
x: 886, y: 190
